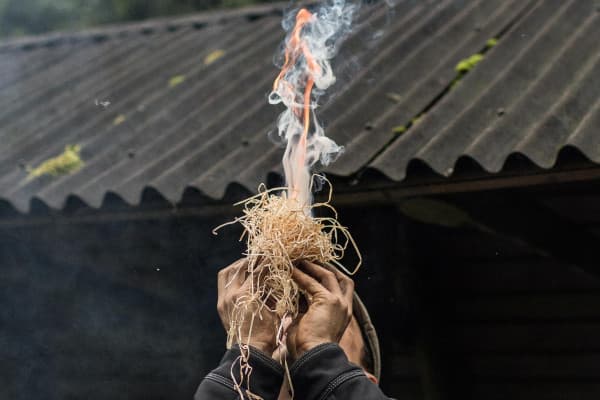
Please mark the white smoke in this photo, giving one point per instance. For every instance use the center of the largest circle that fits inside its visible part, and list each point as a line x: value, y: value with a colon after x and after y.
x: 321, y: 37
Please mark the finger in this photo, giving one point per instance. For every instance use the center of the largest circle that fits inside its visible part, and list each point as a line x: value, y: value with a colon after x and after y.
x: 349, y: 295
x: 323, y: 275
x: 224, y: 279
x: 308, y: 283
x: 346, y: 283
x: 253, y: 280
x: 238, y: 271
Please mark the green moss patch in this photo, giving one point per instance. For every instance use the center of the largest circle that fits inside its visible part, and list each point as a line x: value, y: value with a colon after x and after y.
x: 66, y: 163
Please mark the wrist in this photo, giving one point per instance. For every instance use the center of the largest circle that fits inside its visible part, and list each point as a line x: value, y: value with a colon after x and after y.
x: 308, y: 346
x: 265, y: 347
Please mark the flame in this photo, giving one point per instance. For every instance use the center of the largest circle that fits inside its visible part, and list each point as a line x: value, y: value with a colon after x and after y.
x: 296, y: 47
x: 311, y: 43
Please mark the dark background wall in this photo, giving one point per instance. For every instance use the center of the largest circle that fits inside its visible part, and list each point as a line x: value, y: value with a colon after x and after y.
x: 122, y: 309
x: 116, y: 308
x: 495, y: 319
x: 107, y: 307
x: 110, y: 309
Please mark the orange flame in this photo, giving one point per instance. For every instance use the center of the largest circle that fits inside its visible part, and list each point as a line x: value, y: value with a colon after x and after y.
x: 295, y: 48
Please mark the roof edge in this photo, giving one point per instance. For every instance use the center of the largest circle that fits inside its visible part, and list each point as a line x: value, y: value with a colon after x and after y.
x: 146, y: 26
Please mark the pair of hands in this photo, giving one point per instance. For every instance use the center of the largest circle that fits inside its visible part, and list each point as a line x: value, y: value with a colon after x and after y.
x: 325, y: 320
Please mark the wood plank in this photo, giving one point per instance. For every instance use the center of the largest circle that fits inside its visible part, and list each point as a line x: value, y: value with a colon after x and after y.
x: 581, y: 209
x: 456, y: 246
x: 525, y: 306
x: 513, y: 338
x: 377, y: 191
x: 534, y: 366
x: 521, y: 218
x: 516, y: 275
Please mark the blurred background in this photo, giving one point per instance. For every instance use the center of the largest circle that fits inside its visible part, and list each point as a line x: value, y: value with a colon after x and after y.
x: 25, y: 17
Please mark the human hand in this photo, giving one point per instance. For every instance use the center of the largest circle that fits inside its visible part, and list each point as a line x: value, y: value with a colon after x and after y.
x: 257, y: 327
x: 329, y: 310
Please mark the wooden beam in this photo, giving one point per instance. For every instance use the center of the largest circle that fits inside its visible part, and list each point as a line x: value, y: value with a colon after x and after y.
x: 373, y: 192
x: 386, y: 192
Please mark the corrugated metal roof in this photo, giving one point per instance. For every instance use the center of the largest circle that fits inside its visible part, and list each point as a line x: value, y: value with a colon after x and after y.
x: 537, y: 91
x: 177, y: 120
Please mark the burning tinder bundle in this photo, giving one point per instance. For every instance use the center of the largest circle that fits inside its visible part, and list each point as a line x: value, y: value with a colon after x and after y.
x: 279, y: 232
x: 280, y: 225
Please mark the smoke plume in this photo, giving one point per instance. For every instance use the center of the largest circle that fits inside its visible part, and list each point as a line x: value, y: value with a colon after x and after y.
x: 313, y: 39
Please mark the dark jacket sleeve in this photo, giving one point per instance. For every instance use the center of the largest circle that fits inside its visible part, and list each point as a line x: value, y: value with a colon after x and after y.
x: 324, y: 373
x: 265, y: 380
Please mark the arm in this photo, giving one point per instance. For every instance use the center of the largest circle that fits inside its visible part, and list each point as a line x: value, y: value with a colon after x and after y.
x: 265, y: 381
x: 233, y: 379
x: 322, y: 370
x: 324, y: 373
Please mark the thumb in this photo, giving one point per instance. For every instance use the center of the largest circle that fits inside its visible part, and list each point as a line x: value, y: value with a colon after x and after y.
x: 307, y: 283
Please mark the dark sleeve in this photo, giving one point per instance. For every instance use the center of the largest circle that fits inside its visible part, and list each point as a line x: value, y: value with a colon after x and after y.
x: 265, y: 380
x: 324, y: 373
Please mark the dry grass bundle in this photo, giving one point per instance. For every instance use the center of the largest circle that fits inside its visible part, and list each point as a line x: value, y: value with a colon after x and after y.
x: 280, y: 232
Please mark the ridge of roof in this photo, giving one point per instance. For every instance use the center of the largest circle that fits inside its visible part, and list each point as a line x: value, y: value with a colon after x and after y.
x: 161, y: 24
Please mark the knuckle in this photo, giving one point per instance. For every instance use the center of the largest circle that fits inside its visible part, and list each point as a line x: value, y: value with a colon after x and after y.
x: 348, y: 281
x: 222, y: 303
x: 348, y: 312
x: 345, y: 306
x: 338, y: 302
x: 347, y: 288
x: 329, y: 274
x: 330, y: 298
x: 344, y: 303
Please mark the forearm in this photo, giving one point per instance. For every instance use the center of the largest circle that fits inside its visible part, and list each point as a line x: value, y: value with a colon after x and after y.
x: 265, y: 380
x: 325, y: 373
